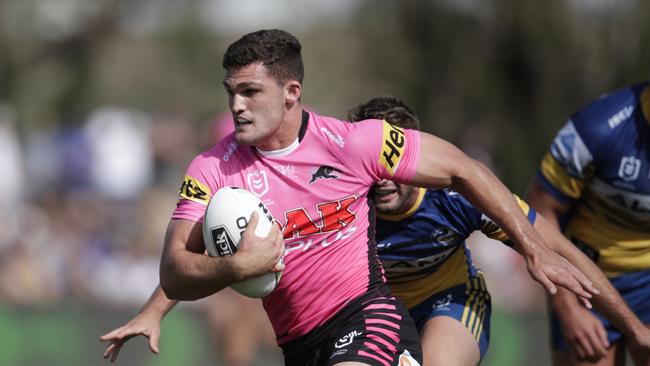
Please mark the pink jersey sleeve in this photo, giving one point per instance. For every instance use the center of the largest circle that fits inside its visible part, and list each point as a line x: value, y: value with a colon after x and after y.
x: 382, y: 150
x: 196, y: 190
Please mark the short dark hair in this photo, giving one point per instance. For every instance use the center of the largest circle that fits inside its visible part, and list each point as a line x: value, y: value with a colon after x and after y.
x: 278, y: 51
x: 392, y: 109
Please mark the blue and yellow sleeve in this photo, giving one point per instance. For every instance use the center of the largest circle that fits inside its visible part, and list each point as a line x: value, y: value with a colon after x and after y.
x: 493, y: 231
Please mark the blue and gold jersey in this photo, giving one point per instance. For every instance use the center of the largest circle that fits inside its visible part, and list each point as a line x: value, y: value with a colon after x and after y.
x: 423, y: 250
x: 599, y: 163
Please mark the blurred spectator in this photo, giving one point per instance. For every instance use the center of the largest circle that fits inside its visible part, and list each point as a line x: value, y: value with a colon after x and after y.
x: 119, y: 143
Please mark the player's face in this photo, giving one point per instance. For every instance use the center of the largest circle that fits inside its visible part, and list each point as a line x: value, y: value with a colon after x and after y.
x: 256, y: 101
x: 393, y: 198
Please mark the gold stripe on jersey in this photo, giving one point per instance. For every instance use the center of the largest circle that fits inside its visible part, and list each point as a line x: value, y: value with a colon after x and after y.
x: 645, y: 103
x: 621, y: 248
x: 475, y: 300
x: 392, y: 147
x: 408, y: 213
x: 452, y: 272
x: 493, y: 231
x: 479, y: 319
x: 194, y: 190
x: 475, y: 306
x: 557, y: 175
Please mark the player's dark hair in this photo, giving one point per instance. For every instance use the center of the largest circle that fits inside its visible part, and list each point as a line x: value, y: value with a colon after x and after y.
x: 278, y: 51
x: 392, y: 109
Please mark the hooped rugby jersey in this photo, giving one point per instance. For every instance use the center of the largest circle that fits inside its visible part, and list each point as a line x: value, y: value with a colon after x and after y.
x: 599, y: 163
x: 424, y: 250
x: 317, y: 190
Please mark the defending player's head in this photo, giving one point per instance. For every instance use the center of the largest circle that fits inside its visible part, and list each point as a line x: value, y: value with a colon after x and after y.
x: 392, y: 109
x: 264, y: 73
x: 390, y: 198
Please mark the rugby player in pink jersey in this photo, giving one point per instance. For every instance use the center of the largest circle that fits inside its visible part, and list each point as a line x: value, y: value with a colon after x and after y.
x: 314, y: 173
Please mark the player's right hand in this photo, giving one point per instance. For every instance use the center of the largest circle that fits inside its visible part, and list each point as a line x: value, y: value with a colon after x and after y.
x: 259, y: 255
x: 147, y: 325
x: 584, y: 333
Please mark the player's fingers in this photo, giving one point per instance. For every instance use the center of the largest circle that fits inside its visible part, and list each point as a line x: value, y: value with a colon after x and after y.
x: 574, y: 286
x: 602, y: 336
x: 547, y: 283
x: 108, y: 350
x: 153, y: 341
x: 252, y: 223
x: 579, y: 349
x: 279, y: 267
x: 588, y: 349
x: 586, y: 302
x: 116, y: 351
x: 111, y: 335
x: 598, y: 349
x: 585, y: 282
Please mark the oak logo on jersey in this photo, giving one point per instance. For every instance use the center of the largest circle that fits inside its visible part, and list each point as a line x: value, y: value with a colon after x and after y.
x: 194, y: 190
x: 325, y: 172
x: 392, y: 148
x: 334, y: 216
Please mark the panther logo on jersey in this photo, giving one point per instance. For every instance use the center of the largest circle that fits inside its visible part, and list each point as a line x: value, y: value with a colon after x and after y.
x: 325, y: 172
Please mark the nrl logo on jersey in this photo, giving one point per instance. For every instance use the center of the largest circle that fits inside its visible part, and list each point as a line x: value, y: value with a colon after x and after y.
x: 258, y: 183
x: 629, y: 169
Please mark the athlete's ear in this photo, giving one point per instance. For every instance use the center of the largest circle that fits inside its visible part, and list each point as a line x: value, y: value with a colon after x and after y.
x: 292, y: 91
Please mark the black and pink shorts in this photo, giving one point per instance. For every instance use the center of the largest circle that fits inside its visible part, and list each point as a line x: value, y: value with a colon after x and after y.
x: 374, y: 329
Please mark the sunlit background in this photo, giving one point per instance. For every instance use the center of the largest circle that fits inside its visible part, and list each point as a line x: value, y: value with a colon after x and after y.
x: 103, y: 104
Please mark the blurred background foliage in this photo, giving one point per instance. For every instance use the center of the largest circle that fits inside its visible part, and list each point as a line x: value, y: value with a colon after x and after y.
x: 496, y: 77
x: 503, y: 74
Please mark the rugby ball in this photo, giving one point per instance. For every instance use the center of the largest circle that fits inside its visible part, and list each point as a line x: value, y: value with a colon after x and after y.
x: 226, y: 218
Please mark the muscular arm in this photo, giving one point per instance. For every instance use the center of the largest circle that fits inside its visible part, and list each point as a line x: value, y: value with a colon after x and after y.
x: 608, y: 302
x: 443, y: 165
x: 187, y: 274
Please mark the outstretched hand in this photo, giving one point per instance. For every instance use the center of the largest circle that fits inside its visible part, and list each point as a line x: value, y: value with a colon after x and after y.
x: 551, y: 270
x: 144, y: 324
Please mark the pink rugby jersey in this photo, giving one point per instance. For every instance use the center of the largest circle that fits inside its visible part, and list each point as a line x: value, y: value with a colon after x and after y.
x: 317, y: 190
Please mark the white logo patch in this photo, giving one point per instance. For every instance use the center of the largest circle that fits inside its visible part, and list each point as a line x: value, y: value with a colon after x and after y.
x: 337, y: 139
x: 621, y: 116
x: 629, y: 169
x: 347, y: 339
x: 258, y: 183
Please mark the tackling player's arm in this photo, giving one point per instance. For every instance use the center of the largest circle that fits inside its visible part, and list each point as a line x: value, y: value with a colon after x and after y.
x: 582, y: 330
x: 187, y: 274
x: 593, y: 343
x: 441, y: 164
x: 146, y: 323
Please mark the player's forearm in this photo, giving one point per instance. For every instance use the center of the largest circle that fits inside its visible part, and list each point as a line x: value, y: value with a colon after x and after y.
x: 441, y: 164
x: 189, y: 276
x: 608, y: 302
x: 158, y: 304
x: 486, y: 192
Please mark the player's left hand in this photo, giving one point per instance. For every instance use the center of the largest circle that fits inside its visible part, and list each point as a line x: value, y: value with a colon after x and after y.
x: 551, y: 269
x: 145, y: 324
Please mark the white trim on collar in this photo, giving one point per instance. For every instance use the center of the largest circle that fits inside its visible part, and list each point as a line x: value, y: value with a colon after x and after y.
x: 284, y: 151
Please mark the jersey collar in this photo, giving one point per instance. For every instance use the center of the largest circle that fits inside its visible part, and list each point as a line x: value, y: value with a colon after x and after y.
x: 408, y: 213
